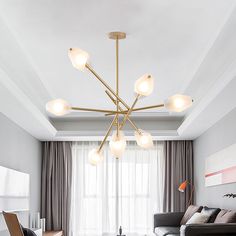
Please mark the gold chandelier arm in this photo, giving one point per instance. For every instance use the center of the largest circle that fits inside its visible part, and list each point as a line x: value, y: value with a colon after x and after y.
x: 130, y: 121
x: 129, y: 112
x: 141, y: 108
x: 107, y: 134
x: 106, y: 85
x: 96, y: 110
x: 148, y: 107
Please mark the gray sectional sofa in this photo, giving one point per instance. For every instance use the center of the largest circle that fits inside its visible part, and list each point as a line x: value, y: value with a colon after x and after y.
x: 221, y: 222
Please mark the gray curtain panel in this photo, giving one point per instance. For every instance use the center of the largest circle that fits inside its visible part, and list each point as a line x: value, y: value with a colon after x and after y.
x: 56, y: 185
x: 178, y: 168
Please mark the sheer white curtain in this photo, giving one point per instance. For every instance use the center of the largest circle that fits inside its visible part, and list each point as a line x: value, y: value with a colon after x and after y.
x: 124, y: 192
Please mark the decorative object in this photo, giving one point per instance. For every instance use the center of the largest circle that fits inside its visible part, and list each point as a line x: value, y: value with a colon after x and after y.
x: 120, y: 232
x: 221, y: 167
x: 43, y: 224
x: 34, y: 220
x: 31, y: 222
x: 183, y: 187
x: 38, y: 225
x: 143, y: 87
x: 229, y: 195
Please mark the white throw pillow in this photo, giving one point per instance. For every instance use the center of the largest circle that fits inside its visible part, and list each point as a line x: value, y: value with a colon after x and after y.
x: 198, y: 218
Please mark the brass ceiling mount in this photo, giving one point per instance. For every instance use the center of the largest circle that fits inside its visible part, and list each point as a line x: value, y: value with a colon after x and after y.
x: 117, y: 35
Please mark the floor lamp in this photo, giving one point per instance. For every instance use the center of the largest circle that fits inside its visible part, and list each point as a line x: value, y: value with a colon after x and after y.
x: 183, y: 187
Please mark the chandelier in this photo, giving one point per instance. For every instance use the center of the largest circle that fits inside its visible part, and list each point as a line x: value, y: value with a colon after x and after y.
x: 121, y: 114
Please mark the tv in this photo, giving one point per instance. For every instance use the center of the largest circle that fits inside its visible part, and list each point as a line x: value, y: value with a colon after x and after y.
x: 14, y: 190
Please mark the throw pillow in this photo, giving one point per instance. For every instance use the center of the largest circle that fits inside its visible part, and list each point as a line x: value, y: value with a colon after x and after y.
x: 226, y: 216
x: 212, y: 212
x: 189, y: 213
x: 198, y: 218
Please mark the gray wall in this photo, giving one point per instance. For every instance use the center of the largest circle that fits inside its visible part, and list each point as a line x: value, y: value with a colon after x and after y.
x: 22, y: 152
x: 218, y: 137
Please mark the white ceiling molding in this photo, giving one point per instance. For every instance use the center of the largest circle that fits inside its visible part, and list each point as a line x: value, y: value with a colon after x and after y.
x: 101, y: 123
x: 23, y: 95
x: 15, y: 62
x: 90, y: 115
x: 208, y: 47
x: 216, y: 84
x: 20, y: 109
x: 98, y: 136
x: 216, y: 104
x: 97, y: 127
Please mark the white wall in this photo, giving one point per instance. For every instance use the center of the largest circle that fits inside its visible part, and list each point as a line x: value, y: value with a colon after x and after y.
x: 218, y: 137
x: 22, y: 152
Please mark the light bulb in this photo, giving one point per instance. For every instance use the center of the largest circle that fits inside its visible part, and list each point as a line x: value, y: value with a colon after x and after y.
x: 144, y: 139
x: 117, y: 144
x: 95, y: 157
x: 144, y: 85
x: 178, y: 103
x: 58, y: 107
x: 78, y: 58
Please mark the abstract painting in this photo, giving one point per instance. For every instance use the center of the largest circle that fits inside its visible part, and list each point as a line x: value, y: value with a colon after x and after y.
x: 221, y: 167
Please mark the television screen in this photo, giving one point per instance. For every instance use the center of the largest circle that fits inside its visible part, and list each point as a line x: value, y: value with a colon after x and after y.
x: 14, y: 190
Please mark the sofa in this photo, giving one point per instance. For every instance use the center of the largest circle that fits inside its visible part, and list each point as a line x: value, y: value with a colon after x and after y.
x: 219, y: 222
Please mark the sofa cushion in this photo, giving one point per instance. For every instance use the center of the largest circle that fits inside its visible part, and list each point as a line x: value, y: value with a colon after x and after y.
x: 211, y: 212
x: 166, y: 230
x: 226, y: 216
x: 189, y: 213
x: 198, y: 218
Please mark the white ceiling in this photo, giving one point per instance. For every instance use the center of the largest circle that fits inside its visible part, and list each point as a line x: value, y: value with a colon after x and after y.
x: 183, y: 43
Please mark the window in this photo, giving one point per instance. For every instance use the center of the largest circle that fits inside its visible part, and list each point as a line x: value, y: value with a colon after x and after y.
x: 126, y: 192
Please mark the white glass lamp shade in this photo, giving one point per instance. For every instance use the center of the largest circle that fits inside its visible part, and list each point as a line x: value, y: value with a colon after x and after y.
x: 178, y: 103
x: 95, y: 157
x: 117, y: 144
x: 144, y: 139
x: 58, y: 107
x: 78, y: 58
x: 144, y: 85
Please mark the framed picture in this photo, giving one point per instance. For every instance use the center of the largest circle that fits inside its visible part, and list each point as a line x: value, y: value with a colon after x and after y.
x: 220, y: 167
x: 14, y: 190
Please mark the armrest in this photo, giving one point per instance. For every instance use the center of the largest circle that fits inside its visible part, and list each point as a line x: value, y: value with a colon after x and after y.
x: 208, y: 229
x: 168, y: 219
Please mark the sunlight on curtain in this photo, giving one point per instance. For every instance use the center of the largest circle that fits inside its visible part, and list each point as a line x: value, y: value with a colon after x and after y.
x: 126, y: 192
